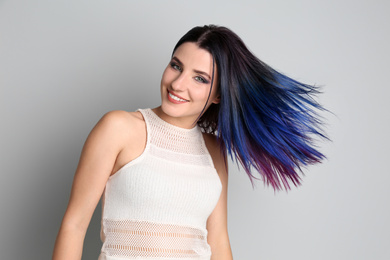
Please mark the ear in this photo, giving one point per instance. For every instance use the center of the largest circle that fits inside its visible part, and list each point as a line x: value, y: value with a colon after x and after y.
x: 217, y: 100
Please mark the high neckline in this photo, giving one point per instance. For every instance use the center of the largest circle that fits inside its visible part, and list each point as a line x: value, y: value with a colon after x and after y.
x: 195, y: 128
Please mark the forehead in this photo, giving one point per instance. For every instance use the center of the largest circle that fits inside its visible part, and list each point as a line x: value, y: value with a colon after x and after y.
x: 191, y: 55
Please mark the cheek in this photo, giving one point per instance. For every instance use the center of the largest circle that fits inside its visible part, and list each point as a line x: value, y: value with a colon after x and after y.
x: 200, y: 93
x: 168, y: 76
x: 164, y: 77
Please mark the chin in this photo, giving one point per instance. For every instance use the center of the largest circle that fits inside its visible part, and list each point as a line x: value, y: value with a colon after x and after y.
x: 170, y: 110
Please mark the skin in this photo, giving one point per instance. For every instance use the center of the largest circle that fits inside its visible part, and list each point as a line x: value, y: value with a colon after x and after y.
x: 188, y: 76
x: 111, y: 145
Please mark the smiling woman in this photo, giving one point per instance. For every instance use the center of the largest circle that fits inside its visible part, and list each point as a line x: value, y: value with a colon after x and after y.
x: 185, y: 86
x: 162, y: 172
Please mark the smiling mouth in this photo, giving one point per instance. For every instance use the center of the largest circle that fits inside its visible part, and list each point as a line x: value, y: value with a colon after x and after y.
x: 176, y: 98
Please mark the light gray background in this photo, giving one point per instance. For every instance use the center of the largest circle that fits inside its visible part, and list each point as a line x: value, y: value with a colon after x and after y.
x: 63, y: 64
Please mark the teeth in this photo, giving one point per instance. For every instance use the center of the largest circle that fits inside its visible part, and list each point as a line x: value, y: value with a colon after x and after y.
x: 176, y: 98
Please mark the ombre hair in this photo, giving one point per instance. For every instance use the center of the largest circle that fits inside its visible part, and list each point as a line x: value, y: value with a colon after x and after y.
x: 265, y: 120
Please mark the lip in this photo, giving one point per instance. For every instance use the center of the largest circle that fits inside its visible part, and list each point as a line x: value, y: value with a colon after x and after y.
x: 175, y: 101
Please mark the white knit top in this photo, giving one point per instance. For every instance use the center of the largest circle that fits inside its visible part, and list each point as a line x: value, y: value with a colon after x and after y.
x: 156, y: 206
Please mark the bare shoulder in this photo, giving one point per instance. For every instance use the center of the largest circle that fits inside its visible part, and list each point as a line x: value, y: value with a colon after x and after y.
x: 127, y: 132
x: 216, y: 153
x: 121, y: 121
x: 122, y: 117
x: 119, y: 127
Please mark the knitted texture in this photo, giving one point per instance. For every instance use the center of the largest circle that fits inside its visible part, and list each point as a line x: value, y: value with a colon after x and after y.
x: 156, y: 206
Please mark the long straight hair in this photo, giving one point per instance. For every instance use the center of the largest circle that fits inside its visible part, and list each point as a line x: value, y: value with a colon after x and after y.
x: 265, y: 120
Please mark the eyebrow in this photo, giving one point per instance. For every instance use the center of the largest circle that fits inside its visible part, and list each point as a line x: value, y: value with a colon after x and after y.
x: 196, y: 71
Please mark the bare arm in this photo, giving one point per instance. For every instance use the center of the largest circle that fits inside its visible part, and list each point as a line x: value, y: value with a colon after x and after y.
x: 96, y: 164
x: 218, y: 237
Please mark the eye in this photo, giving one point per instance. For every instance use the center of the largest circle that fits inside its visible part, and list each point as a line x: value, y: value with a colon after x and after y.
x: 175, y: 66
x: 201, y: 79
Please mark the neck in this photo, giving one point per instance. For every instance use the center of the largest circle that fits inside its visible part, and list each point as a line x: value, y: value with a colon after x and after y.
x: 187, y: 123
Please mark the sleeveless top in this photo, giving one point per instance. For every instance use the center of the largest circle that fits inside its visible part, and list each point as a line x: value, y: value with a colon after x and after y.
x: 157, y: 205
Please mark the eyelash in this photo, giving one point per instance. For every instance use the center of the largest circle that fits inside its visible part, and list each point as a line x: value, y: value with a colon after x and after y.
x: 175, y: 66
x: 201, y: 80
x: 197, y: 78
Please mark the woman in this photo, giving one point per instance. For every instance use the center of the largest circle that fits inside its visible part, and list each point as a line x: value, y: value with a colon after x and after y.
x: 163, y: 171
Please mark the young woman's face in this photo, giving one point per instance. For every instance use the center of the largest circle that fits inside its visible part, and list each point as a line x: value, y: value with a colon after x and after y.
x: 185, y: 85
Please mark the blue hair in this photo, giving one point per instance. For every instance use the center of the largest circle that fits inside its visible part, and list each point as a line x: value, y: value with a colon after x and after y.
x: 265, y: 120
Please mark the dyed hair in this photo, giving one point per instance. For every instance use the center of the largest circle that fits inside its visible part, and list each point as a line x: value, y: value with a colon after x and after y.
x: 266, y: 120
